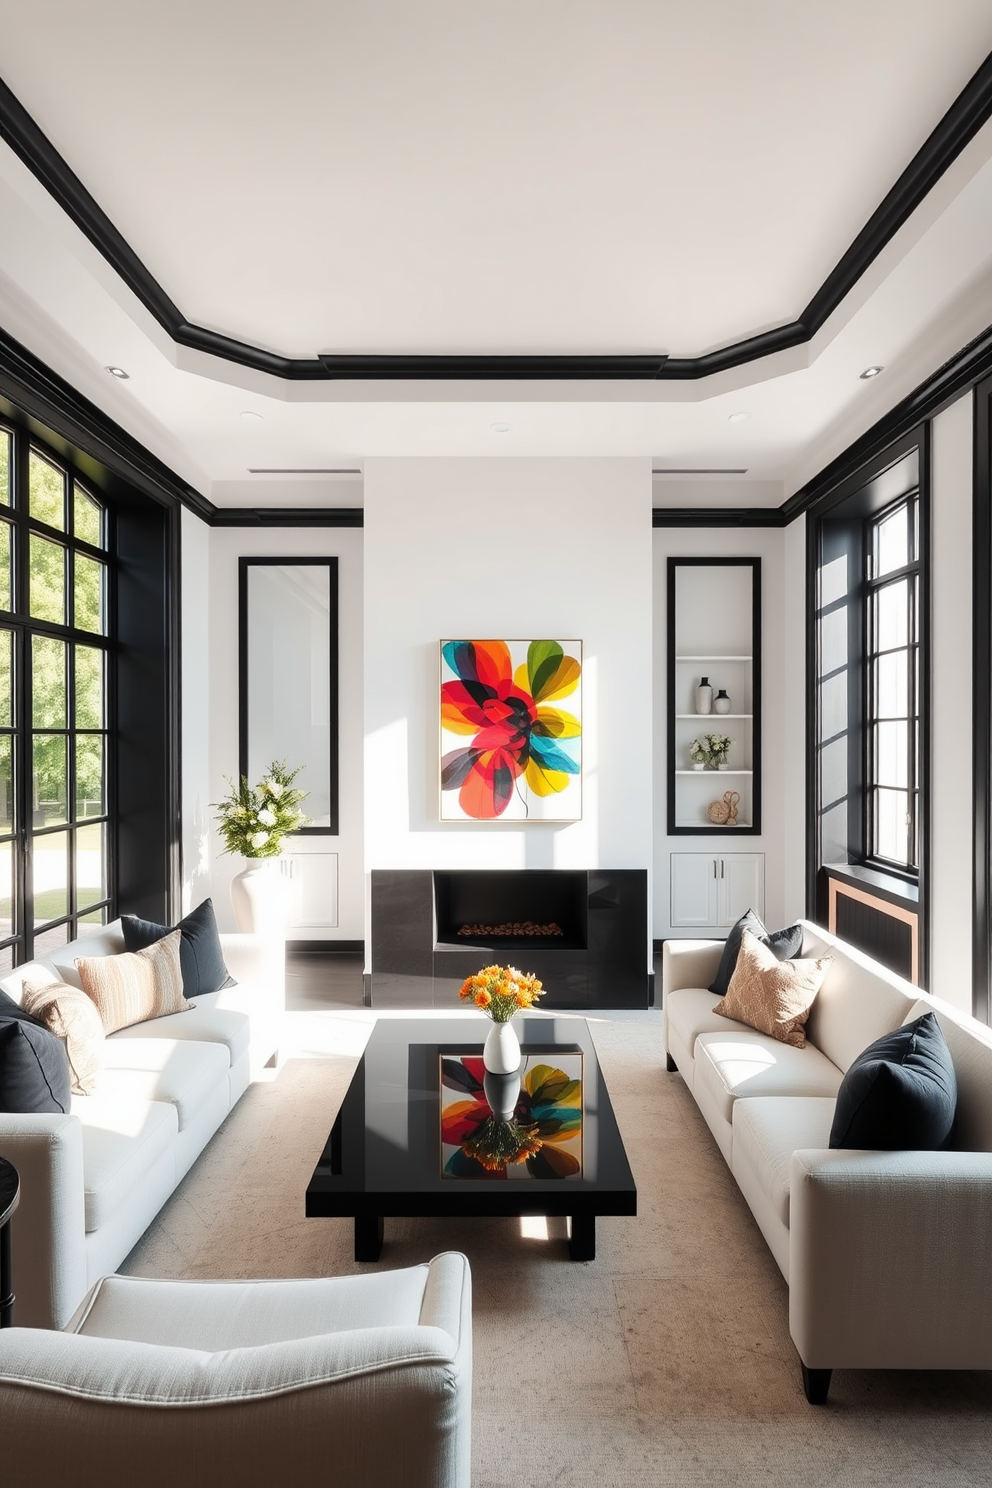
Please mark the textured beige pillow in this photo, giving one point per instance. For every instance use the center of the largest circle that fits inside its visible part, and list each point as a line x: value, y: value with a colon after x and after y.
x: 137, y: 985
x: 770, y: 995
x: 71, y: 1016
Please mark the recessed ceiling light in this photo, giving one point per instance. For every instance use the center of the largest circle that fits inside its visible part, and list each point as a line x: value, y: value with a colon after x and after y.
x: 117, y: 372
x: 869, y: 373
x: 250, y: 417
x: 500, y: 428
x: 739, y: 418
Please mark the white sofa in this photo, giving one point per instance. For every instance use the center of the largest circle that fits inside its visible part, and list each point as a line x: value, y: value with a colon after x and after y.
x: 93, y: 1180
x: 356, y: 1380
x: 888, y: 1255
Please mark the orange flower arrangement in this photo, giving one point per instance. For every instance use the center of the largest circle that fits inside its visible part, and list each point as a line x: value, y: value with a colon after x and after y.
x: 501, y: 991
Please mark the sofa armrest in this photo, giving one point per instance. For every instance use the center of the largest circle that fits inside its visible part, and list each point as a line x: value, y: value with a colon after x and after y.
x: 48, y: 1228
x: 889, y: 1259
x: 689, y: 963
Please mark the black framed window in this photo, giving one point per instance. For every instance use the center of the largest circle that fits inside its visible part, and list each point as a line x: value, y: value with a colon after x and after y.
x: 892, y: 711
x: 55, y: 737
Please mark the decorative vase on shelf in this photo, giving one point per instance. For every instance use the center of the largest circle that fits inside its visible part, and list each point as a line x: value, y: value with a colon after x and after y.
x: 501, y: 1055
x: 699, y: 766
x: 704, y: 696
x: 721, y: 703
x: 260, y: 897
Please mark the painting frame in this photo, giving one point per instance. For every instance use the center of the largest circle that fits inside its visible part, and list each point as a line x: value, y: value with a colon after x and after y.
x: 510, y: 731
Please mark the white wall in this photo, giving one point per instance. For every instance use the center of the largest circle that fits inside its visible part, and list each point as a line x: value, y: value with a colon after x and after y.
x: 210, y: 704
x: 511, y: 548
x: 951, y: 784
x: 783, y: 713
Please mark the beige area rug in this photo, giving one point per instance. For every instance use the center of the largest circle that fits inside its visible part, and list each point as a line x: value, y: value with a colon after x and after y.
x: 666, y: 1361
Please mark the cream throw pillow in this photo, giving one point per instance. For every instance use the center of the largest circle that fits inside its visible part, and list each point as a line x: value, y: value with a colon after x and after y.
x: 137, y: 985
x: 770, y: 995
x: 71, y: 1016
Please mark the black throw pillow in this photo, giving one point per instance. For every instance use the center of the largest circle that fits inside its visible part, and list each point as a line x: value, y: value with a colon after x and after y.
x: 900, y: 1093
x: 34, y: 1069
x: 785, y: 945
x: 200, y: 955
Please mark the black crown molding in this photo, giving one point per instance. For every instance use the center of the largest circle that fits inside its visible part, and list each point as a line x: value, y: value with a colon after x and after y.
x: 717, y: 516
x: 53, y: 407
x: 970, y: 110
x: 285, y: 516
x: 961, y: 372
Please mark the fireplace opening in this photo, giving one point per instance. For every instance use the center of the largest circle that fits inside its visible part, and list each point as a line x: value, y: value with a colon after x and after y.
x: 510, y: 910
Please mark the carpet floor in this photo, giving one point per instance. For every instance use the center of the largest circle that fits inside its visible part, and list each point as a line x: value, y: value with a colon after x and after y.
x: 666, y: 1361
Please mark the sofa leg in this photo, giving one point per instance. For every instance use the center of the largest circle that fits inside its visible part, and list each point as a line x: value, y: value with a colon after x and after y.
x: 816, y: 1383
x: 670, y: 1064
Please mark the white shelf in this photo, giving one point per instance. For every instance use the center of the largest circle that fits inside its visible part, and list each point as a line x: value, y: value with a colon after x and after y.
x: 704, y: 773
x: 717, y: 716
x: 713, y: 658
x: 708, y: 825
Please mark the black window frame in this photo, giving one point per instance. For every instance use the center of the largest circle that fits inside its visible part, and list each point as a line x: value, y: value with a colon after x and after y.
x: 20, y: 944
x: 837, y: 524
x: 874, y: 584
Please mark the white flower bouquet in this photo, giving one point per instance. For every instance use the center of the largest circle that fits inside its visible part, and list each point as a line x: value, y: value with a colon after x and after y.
x: 253, y: 820
x: 711, y: 750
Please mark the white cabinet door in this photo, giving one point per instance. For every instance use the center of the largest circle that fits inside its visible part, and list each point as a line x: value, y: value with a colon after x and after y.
x: 742, y: 886
x: 694, y: 888
x: 313, y: 898
x: 715, y: 889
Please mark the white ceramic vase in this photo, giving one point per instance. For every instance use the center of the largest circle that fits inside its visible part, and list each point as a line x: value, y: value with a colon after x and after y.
x: 704, y: 696
x: 501, y: 1055
x: 722, y: 703
x: 260, y: 897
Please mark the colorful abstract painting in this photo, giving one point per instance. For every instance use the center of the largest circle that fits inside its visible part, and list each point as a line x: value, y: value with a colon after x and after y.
x: 509, y: 750
x: 550, y: 1104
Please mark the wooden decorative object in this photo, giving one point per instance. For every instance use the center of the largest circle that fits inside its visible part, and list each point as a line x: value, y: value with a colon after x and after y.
x: 724, y: 813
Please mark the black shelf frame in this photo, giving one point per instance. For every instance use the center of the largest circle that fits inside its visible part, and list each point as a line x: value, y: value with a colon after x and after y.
x: 703, y: 829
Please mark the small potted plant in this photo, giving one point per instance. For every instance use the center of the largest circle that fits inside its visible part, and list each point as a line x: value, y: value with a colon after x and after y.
x: 719, y: 748
x: 699, y: 753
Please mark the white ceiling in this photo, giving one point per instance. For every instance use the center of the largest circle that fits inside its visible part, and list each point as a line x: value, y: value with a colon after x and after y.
x: 528, y: 176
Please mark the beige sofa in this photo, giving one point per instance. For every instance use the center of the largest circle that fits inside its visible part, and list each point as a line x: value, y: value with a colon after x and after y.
x: 888, y: 1255
x: 93, y: 1180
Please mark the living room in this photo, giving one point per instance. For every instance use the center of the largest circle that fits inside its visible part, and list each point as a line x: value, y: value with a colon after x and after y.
x: 503, y: 419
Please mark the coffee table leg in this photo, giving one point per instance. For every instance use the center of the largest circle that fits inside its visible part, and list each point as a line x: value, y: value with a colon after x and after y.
x: 368, y: 1237
x: 582, y: 1245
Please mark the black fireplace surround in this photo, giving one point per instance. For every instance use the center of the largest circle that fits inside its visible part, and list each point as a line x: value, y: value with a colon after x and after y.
x: 582, y: 931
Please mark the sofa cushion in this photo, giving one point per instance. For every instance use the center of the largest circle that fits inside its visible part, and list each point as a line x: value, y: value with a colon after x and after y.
x: 72, y: 1017
x: 123, y: 1137
x: 768, y: 1131
x: 213, y: 1020
x: 770, y: 995
x: 733, y: 1065
x: 900, y: 1093
x: 783, y: 943
x: 858, y: 1001
x: 34, y: 1070
x: 137, y: 985
x: 179, y: 1072
x: 200, y: 954
x: 689, y: 1012
x: 970, y: 1043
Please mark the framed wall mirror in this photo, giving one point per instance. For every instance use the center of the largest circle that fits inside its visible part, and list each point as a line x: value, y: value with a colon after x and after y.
x: 289, y: 677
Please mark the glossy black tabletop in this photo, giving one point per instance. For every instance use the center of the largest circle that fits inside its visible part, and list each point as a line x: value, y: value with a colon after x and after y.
x: 385, y: 1155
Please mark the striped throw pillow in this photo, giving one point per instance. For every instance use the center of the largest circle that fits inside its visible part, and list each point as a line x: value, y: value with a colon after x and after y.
x: 137, y: 985
x: 73, y: 1018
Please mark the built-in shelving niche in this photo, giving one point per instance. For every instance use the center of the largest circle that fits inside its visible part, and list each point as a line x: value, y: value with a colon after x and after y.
x: 714, y: 631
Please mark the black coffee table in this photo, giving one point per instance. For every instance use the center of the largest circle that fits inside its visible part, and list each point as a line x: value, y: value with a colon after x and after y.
x: 385, y: 1155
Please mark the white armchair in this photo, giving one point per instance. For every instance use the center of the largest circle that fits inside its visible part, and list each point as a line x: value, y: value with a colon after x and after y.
x: 361, y: 1381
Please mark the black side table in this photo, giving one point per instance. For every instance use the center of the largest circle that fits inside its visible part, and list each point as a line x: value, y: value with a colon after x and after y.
x: 10, y: 1188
